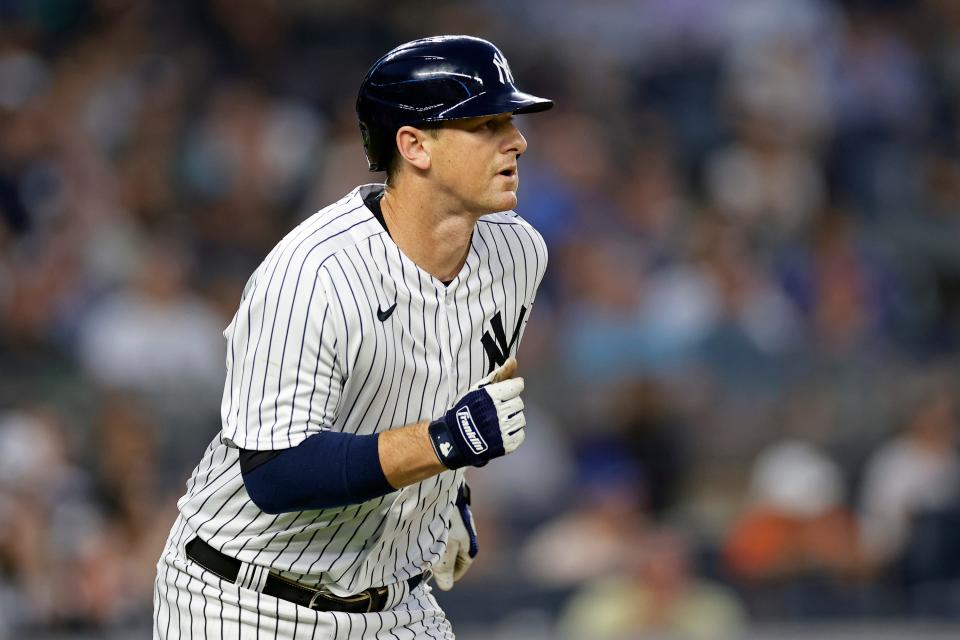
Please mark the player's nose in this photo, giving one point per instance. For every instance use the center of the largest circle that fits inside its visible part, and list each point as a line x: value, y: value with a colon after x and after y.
x: 516, y: 143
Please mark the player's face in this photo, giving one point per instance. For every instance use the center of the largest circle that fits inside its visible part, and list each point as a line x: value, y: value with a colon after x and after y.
x: 475, y: 161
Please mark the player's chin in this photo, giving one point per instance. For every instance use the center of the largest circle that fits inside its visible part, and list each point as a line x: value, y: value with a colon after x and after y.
x: 504, y: 200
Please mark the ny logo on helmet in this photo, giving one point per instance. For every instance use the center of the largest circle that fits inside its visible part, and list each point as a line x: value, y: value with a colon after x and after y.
x: 503, y: 69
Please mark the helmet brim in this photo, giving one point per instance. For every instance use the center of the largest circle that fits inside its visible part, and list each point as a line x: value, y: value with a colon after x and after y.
x: 486, y: 104
x: 530, y: 103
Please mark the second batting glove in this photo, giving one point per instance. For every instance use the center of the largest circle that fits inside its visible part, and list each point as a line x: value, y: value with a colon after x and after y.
x: 462, y: 544
x: 485, y: 423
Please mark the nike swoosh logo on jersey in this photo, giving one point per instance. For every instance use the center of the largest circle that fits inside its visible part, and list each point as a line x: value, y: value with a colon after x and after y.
x: 383, y: 315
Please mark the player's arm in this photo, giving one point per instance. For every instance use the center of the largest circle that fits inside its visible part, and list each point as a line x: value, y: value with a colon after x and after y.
x: 484, y: 423
x: 406, y: 455
x: 333, y: 469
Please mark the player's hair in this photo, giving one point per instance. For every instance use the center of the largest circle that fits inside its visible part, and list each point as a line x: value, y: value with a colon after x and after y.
x: 393, y: 159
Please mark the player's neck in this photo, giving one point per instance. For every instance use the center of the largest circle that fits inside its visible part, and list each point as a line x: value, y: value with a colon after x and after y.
x: 429, y: 231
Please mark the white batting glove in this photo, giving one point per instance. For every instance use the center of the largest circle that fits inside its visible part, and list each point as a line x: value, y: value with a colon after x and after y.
x: 484, y: 423
x: 462, y: 545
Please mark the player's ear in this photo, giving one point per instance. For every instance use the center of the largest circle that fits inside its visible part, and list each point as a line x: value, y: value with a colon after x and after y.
x: 412, y: 146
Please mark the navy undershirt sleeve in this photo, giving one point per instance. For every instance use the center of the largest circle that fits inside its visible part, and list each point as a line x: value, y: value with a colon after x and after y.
x: 328, y: 469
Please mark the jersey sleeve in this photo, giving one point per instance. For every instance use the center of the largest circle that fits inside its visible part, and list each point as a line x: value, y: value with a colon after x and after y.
x: 284, y: 378
x: 535, y: 266
x: 539, y: 262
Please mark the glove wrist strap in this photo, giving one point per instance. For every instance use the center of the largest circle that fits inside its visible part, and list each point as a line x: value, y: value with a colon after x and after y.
x: 445, y: 446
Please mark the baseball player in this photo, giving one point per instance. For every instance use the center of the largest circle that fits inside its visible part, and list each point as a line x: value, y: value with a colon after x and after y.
x: 369, y: 363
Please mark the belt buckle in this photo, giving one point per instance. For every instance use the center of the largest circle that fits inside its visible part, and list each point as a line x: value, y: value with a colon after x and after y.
x: 360, y: 597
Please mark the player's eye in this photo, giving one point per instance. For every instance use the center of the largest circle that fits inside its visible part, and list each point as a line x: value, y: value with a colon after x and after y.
x: 493, y: 124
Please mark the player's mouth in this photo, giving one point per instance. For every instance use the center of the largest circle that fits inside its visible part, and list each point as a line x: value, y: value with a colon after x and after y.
x: 509, y: 172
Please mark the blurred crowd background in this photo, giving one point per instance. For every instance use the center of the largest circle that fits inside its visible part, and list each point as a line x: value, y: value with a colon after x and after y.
x: 742, y: 366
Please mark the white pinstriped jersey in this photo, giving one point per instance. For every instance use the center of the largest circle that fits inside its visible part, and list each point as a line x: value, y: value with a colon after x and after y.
x: 308, y: 351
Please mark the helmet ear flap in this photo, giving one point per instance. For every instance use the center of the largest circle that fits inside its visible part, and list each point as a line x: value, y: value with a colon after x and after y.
x: 375, y: 146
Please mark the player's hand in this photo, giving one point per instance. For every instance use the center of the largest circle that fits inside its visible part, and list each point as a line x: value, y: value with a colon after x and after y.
x: 501, y: 373
x: 462, y: 545
x: 485, y: 423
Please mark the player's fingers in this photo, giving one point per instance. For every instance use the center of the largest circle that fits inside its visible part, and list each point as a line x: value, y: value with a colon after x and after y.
x: 446, y: 561
x: 505, y: 390
x: 511, y: 407
x: 513, y: 440
x: 443, y: 570
x: 501, y: 373
x: 513, y: 424
x: 443, y: 581
x: 443, y: 573
x: 462, y: 565
x: 506, y: 370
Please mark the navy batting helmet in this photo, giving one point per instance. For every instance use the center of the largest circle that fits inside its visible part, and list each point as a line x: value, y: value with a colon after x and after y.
x: 434, y: 80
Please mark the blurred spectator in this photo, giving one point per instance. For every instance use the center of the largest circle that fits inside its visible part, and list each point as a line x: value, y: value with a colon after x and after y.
x: 655, y: 437
x: 155, y: 338
x: 249, y: 148
x: 915, y: 473
x: 764, y: 183
x: 653, y: 204
x: 656, y: 594
x: 755, y: 325
x: 48, y: 517
x: 161, y: 341
x: 843, y: 287
x: 795, y: 524
x: 881, y: 107
x: 600, y: 532
x: 602, y: 326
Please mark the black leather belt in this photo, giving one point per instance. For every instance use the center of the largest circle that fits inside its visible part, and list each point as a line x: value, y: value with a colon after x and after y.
x: 369, y: 601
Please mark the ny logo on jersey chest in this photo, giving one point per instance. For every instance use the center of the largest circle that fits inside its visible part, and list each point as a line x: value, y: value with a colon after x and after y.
x: 496, y: 345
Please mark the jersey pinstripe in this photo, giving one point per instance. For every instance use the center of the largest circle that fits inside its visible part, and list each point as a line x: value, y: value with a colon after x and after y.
x: 307, y: 352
